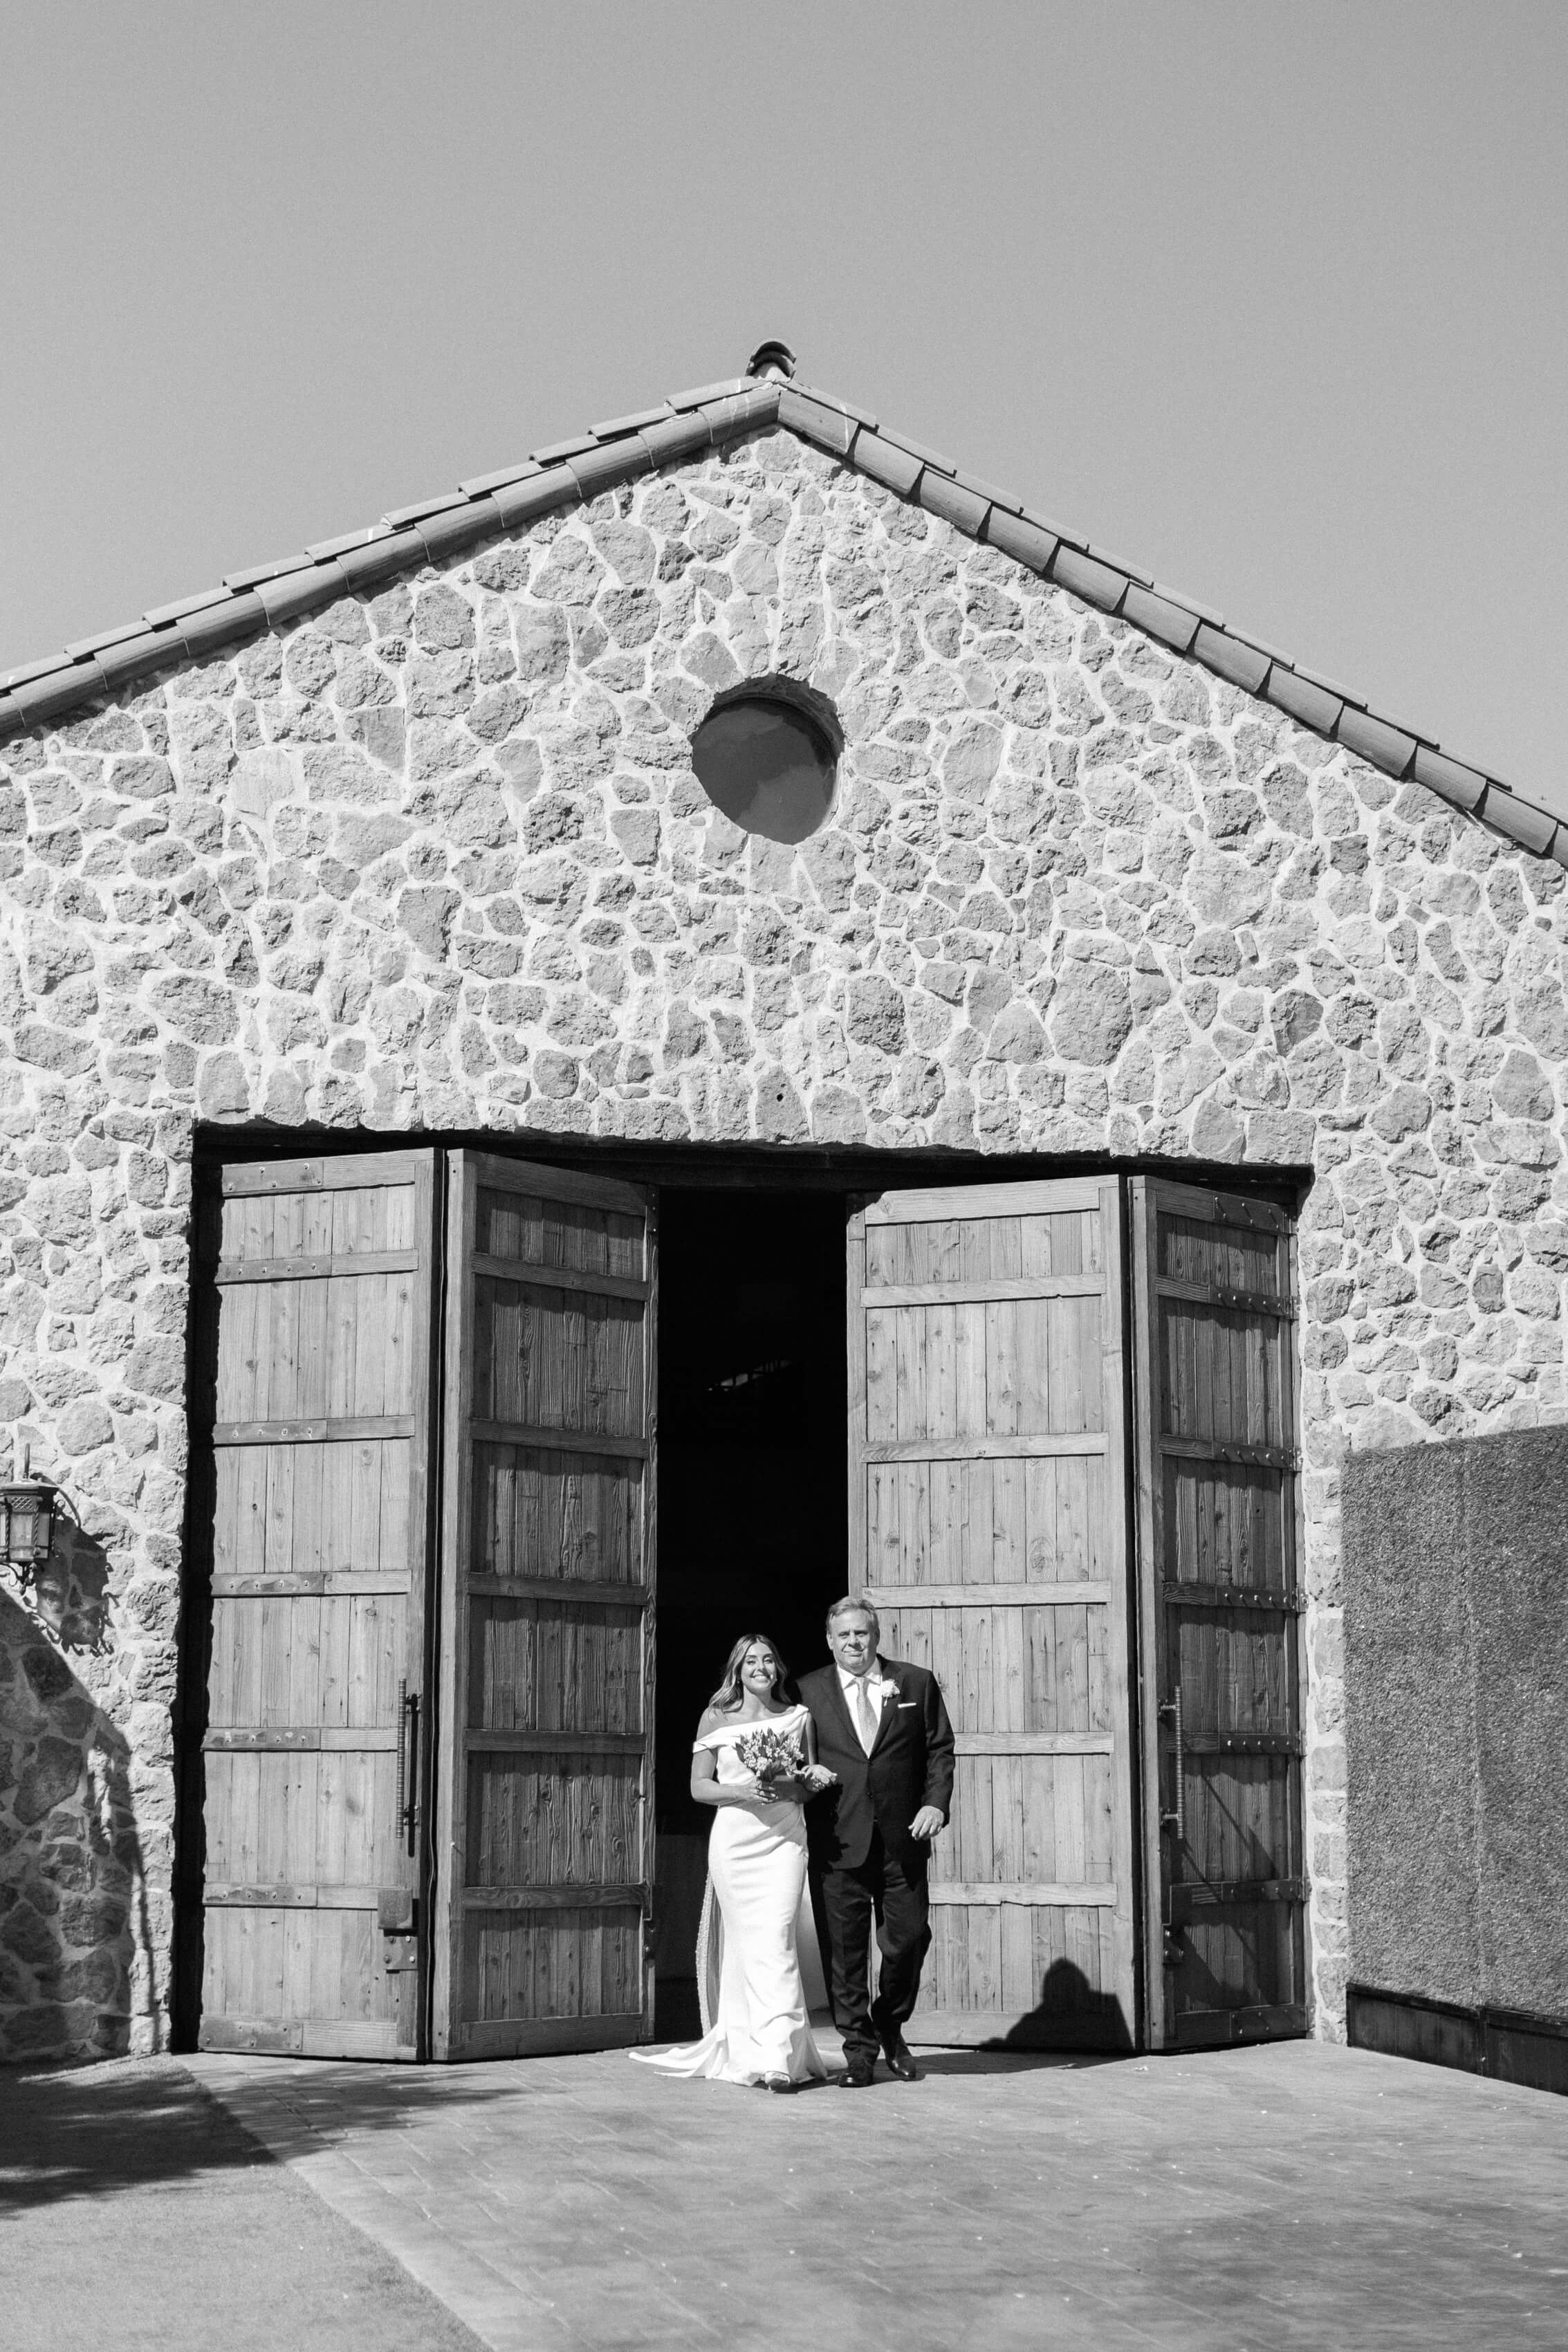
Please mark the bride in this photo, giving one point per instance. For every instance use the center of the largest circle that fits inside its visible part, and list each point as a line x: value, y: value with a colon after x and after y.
x: 757, y: 2030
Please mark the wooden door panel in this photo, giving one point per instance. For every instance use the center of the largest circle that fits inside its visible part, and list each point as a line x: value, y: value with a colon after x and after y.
x: 315, y: 1333
x: 529, y: 1667
x: 988, y: 1524
x: 543, y: 1820
x: 576, y: 1515
x: 1240, y: 1821
x: 566, y: 1362
x: 1225, y: 1526
x: 1220, y: 1614
x: 1241, y: 1956
x: 1234, y: 1669
x: 992, y: 1958
x: 307, y: 1982
x: 1032, y: 1819
x: 569, y: 1976
x: 547, y: 1819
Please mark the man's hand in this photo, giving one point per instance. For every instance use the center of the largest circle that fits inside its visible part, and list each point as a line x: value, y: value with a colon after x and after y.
x: 927, y: 1822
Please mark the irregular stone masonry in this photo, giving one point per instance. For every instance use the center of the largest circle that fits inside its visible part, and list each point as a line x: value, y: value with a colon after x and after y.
x: 271, y: 593
x: 435, y: 859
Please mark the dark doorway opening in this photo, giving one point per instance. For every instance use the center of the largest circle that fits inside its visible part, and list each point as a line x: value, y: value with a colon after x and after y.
x: 753, y: 1497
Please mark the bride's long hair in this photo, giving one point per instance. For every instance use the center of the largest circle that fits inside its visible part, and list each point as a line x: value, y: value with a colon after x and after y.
x: 728, y: 1695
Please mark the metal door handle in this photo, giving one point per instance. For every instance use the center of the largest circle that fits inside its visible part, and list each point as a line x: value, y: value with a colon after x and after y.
x: 401, y: 1746
x: 1176, y: 1820
x: 407, y: 1760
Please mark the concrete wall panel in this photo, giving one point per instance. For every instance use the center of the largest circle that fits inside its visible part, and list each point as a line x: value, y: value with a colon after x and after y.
x: 1456, y: 1577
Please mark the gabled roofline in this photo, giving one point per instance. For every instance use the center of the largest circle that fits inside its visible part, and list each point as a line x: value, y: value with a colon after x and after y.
x: 567, y: 473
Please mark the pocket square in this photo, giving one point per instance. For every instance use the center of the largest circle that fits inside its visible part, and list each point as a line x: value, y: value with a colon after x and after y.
x: 906, y: 1703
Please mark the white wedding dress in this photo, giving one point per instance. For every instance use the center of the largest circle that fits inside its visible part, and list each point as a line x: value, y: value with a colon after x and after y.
x: 750, y: 1947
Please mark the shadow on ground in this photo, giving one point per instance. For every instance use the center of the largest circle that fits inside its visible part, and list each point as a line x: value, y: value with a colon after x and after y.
x: 1009, y: 2062
x: 91, y: 2131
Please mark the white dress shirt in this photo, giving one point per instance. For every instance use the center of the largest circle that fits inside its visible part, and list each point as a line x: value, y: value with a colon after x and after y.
x: 877, y: 1685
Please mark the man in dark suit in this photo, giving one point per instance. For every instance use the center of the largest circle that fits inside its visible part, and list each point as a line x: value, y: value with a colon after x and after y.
x: 881, y: 1727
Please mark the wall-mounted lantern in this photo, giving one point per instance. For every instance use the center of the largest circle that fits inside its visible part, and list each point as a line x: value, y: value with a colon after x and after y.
x: 27, y: 1522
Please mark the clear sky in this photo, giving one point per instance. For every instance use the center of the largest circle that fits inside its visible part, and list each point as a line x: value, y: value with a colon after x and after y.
x: 1271, y: 300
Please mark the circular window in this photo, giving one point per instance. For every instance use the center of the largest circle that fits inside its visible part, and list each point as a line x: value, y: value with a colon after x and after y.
x: 768, y: 756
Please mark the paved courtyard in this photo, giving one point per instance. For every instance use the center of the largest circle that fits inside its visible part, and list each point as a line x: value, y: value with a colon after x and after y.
x: 1299, y: 2195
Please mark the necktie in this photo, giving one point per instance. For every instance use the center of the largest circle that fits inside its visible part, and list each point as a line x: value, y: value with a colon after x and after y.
x: 865, y: 1715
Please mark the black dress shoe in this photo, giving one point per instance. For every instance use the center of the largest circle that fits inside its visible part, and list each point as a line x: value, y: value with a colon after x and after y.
x: 901, y: 2061
x: 859, y: 2075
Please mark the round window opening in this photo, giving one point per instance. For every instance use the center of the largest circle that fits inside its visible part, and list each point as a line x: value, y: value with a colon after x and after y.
x: 768, y: 755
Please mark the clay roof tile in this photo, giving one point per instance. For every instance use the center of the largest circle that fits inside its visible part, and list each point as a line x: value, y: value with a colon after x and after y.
x: 25, y: 671
x: 978, y: 486
x: 886, y: 462
x: 555, y: 451
x: 396, y: 516
x: 40, y: 699
x: 918, y: 449
x: 321, y: 551
x: 1449, y: 779
x: 1516, y: 818
x: 1170, y: 624
x: 236, y: 581
x: 1096, y: 582
x: 1309, y: 705
x: 1118, y: 564
x: 1189, y: 604
x: 1384, y: 747
x: 705, y: 392
x: 1232, y: 659
x: 161, y: 615
x: 479, y: 485
x: 455, y: 529
x: 365, y: 568
x: 206, y: 632
x: 632, y: 423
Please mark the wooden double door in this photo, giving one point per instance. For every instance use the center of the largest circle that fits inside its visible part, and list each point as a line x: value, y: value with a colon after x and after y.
x: 419, y: 1726
x: 1079, y: 1508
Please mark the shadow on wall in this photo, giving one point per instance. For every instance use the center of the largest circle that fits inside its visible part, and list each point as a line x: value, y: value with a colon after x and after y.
x: 1070, y: 2015
x: 73, y: 1889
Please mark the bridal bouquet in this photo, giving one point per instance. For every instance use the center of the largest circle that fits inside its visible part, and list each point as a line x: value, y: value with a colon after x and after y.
x: 773, y: 1755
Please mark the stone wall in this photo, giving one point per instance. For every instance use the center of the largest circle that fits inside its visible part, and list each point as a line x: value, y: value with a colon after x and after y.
x: 438, y: 861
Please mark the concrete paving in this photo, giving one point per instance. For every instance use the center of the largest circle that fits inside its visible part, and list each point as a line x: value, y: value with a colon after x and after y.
x: 136, y: 2215
x: 1252, y: 2200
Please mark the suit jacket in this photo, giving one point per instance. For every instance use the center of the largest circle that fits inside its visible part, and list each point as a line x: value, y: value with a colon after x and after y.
x: 910, y: 1765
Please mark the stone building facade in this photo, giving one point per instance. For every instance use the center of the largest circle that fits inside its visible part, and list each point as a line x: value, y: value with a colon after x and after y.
x: 424, y: 855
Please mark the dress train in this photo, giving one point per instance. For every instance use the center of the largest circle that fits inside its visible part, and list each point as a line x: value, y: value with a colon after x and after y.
x: 756, y: 1931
